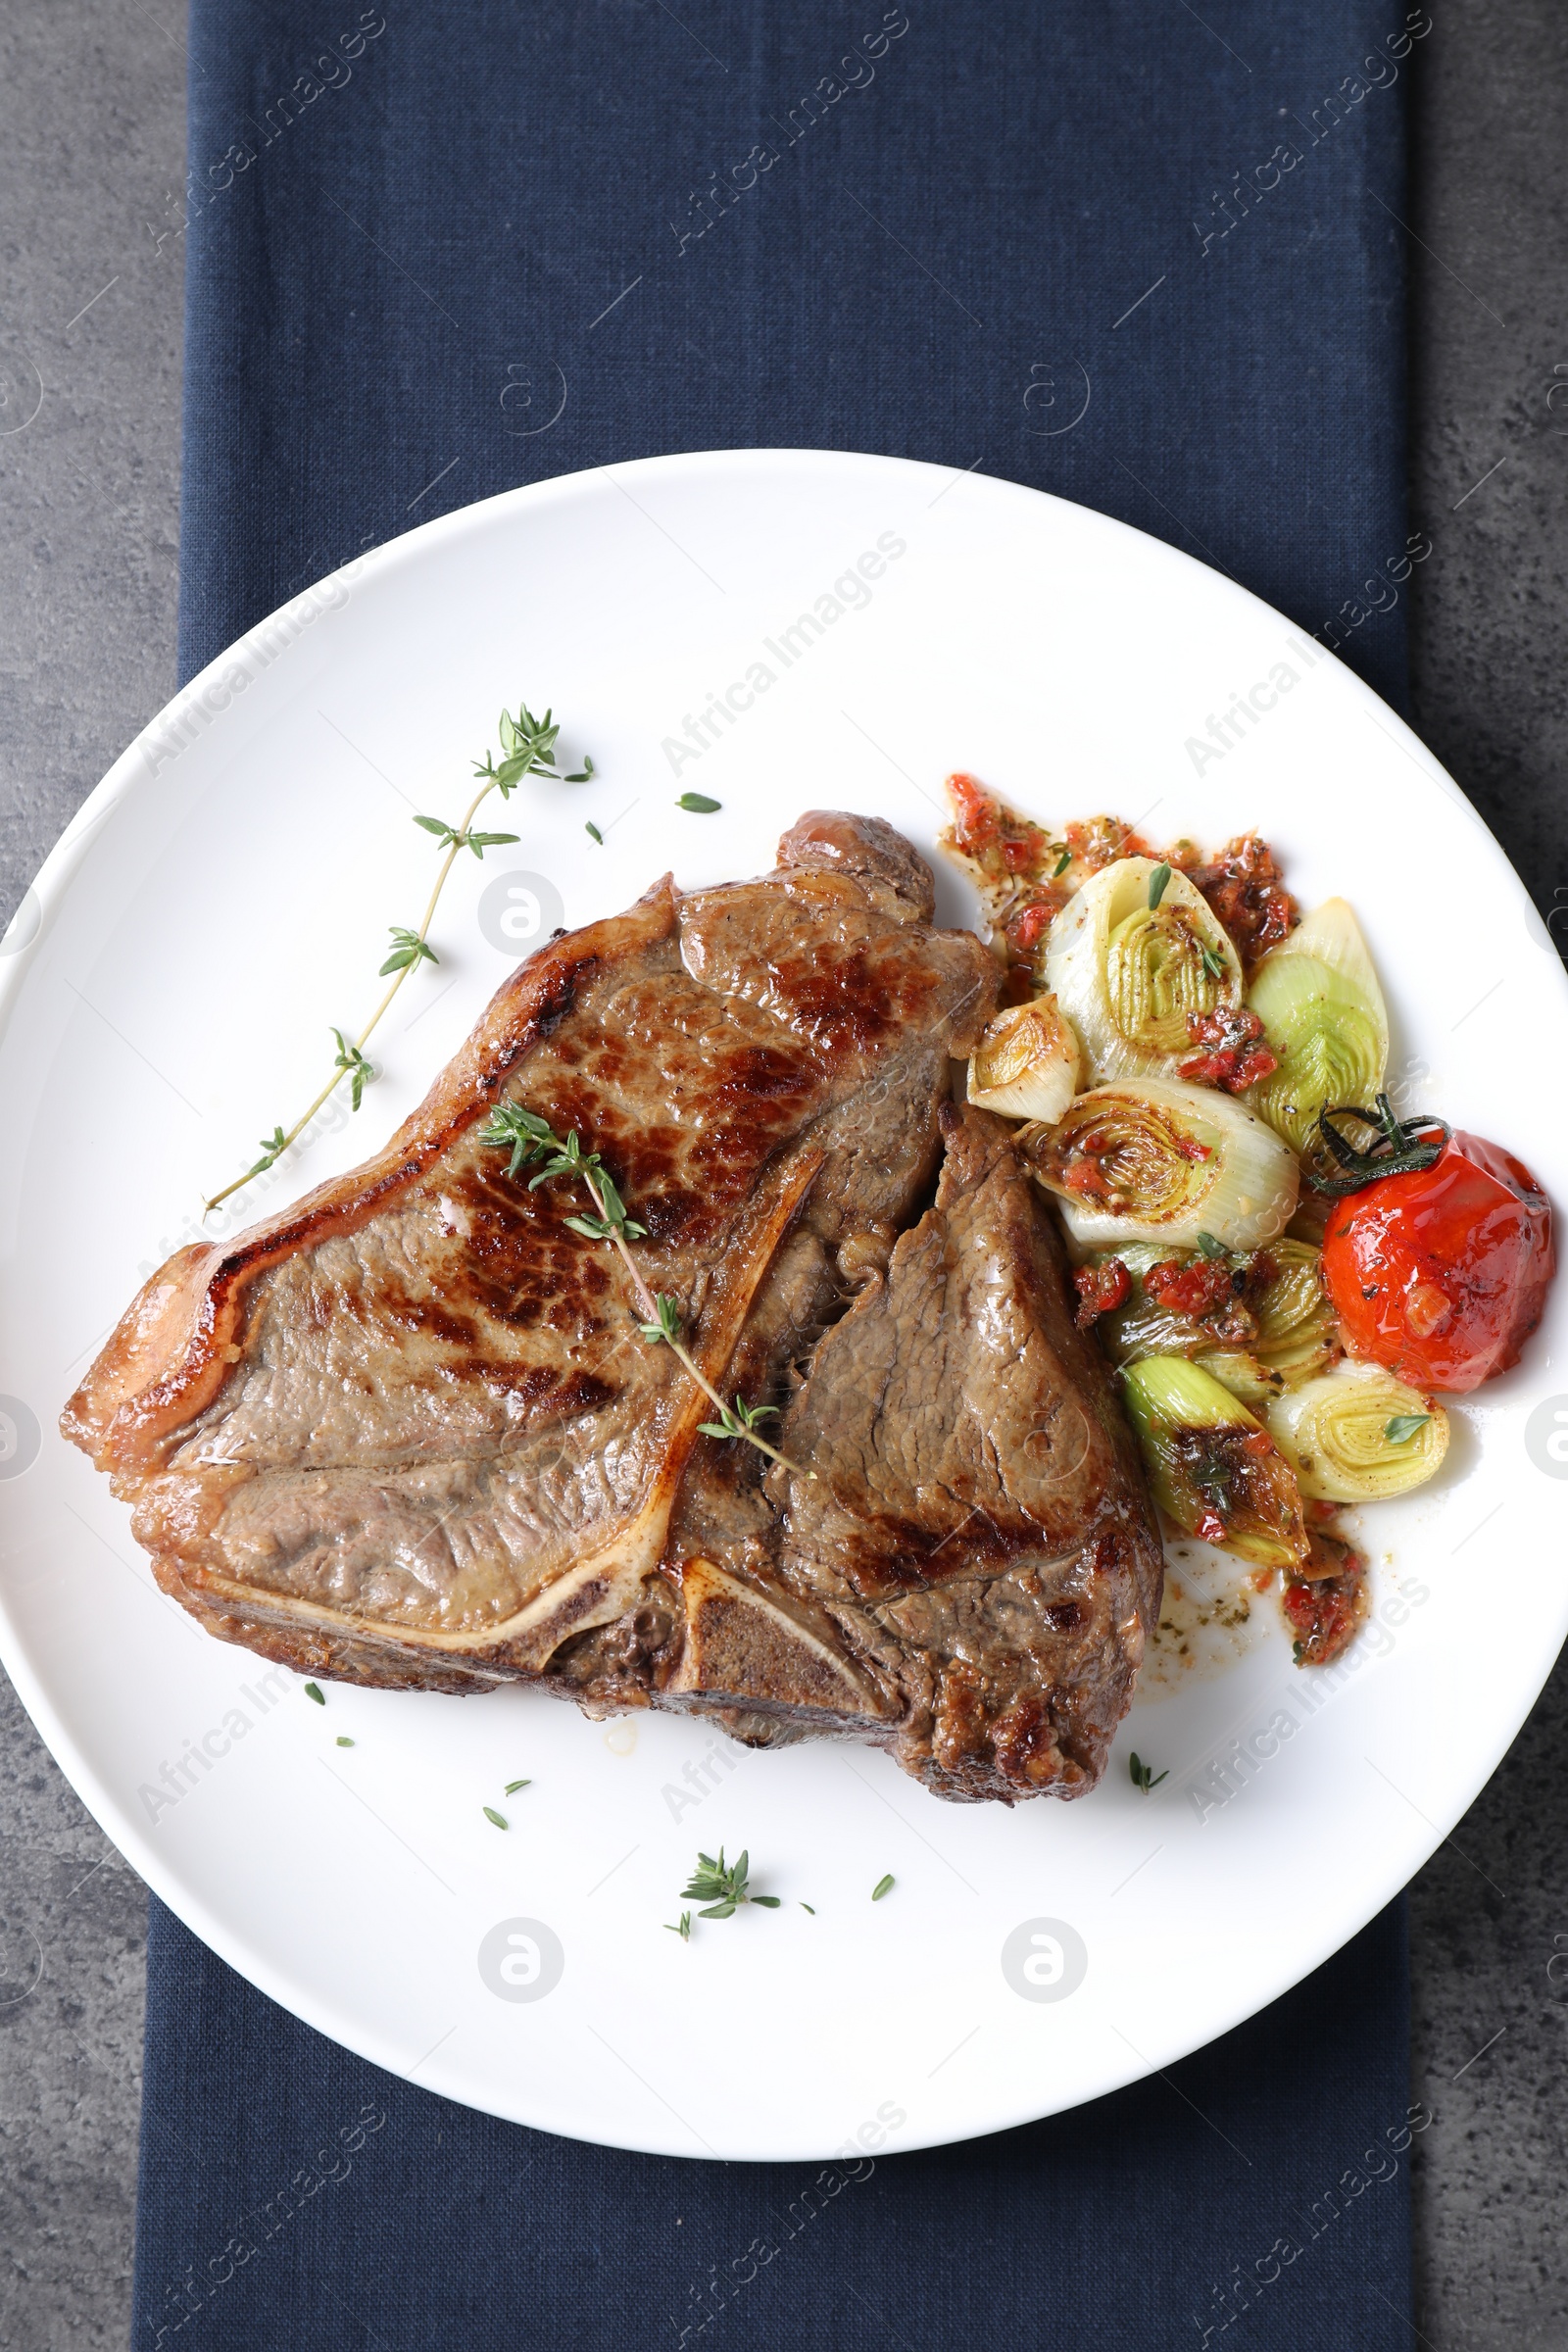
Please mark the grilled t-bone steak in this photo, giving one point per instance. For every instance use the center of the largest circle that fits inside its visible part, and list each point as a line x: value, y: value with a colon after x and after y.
x: 405, y: 1431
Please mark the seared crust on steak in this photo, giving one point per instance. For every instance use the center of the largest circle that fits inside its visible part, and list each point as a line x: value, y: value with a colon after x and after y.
x: 405, y: 1433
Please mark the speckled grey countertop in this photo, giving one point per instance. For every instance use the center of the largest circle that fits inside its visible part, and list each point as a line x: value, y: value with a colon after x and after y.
x: 91, y: 145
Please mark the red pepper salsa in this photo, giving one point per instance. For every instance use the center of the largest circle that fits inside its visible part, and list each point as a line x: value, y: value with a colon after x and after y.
x: 1324, y: 1599
x: 1246, y: 891
x: 1101, y: 1289
x: 1231, y: 1050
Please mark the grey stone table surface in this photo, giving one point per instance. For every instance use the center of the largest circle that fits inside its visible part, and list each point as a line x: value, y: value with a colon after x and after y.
x: 91, y: 148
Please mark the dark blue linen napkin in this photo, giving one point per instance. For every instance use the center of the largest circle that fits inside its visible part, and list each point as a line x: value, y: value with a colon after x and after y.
x: 1255, y: 2199
x: 1144, y: 258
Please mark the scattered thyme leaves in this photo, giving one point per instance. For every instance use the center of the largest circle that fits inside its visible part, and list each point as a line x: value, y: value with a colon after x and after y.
x: 699, y: 804
x: 1403, y: 1426
x: 1156, y: 884
x: 511, y: 1787
x: 313, y: 1691
x: 499, y: 1818
x: 722, y: 1886
x: 811, y: 1907
x: 1061, y: 865
x: 594, y: 834
x: 883, y: 1887
x: 1213, y: 965
x: 1143, y: 1775
x: 344, y: 1741
x: 1210, y: 1247
x: 684, y: 1931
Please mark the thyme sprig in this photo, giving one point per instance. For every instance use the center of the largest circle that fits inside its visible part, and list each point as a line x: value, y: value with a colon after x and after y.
x: 527, y: 749
x: 534, y: 1143
x: 724, y: 1887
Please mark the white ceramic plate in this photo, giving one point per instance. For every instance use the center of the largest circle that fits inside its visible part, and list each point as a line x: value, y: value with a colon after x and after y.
x: 165, y: 994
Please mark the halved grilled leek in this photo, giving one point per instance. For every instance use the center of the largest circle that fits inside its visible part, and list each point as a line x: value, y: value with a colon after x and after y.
x: 1213, y: 1466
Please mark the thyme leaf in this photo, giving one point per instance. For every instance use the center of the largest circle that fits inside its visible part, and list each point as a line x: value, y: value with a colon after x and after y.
x: 313, y: 1691
x: 1140, y: 1774
x: 1156, y: 884
x: 884, y: 1886
x: 272, y: 1146
x: 350, y: 1058
x: 666, y: 1324
x: 684, y: 1931
x: 513, y: 1787
x: 408, y: 946
x: 699, y: 803
x: 1403, y: 1426
x: 736, y: 1424
x: 491, y: 1814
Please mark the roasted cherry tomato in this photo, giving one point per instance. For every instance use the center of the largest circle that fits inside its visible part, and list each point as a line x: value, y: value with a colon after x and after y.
x: 1442, y: 1274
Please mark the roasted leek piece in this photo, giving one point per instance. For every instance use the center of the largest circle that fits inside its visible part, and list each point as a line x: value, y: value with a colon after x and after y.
x: 1297, y: 1331
x: 1153, y: 1159
x: 1213, y: 1466
x: 1358, y: 1435
x: 1026, y: 1065
x: 1323, y: 1014
x: 1132, y: 956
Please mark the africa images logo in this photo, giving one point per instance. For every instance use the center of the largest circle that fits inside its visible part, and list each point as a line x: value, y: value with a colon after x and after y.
x: 1547, y: 1437
x: 1044, y: 1960
x: 518, y: 912
x: 521, y: 1960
